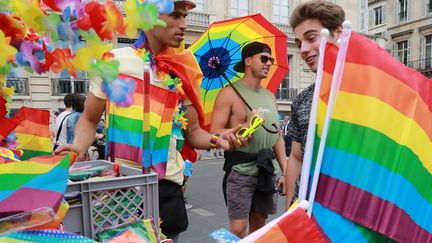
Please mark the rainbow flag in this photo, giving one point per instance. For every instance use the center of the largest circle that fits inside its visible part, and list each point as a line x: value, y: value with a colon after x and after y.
x: 135, y: 141
x: 33, y: 136
x: 376, y: 166
x: 293, y: 226
x: 38, y: 182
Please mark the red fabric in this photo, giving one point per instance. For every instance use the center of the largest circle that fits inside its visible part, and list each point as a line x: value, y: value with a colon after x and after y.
x: 185, y: 67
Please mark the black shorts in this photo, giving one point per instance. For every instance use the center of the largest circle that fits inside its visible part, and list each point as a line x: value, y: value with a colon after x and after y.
x: 172, y: 209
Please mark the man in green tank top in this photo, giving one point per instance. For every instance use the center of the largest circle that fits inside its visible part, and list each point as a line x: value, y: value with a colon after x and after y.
x: 246, y: 197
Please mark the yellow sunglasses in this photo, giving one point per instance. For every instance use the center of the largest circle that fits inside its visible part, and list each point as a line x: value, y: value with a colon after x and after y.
x: 255, y: 122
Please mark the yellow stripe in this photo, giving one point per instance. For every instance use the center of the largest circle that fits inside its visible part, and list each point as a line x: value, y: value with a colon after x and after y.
x: 322, y: 109
x: 371, y: 112
x: 31, y: 142
x: 133, y: 112
x: 164, y: 129
x: 23, y: 167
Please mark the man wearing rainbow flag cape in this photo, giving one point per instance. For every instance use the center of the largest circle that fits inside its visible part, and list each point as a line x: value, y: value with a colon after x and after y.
x: 166, y: 101
x: 307, y: 21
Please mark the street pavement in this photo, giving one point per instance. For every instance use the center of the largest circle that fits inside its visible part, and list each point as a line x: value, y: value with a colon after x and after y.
x: 204, y: 192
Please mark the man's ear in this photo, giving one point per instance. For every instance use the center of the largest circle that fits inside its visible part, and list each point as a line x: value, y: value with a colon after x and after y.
x: 337, y: 33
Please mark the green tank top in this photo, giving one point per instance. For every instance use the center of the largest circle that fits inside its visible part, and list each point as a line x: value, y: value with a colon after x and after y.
x: 263, y: 101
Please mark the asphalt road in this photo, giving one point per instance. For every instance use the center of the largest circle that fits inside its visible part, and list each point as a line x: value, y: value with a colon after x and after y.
x: 204, y: 192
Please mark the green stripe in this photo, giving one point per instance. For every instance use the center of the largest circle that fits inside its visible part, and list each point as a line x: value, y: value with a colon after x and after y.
x: 15, y: 180
x: 375, y: 146
x: 372, y: 236
x: 126, y: 124
x: 28, y: 154
x: 162, y: 142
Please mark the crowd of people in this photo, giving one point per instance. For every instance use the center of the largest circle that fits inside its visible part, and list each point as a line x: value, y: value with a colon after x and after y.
x: 252, y: 164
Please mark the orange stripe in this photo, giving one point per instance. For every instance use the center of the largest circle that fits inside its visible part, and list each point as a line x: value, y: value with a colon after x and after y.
x: 273, y: 235
x: 29, y: 127
x: 371, y: 81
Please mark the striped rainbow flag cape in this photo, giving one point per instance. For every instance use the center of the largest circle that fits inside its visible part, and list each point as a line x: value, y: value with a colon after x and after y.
x: 375, y: 149
x: 132, y: 139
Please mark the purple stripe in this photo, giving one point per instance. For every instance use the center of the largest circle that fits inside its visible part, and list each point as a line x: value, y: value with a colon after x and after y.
x: 124, y: 151
x: 26, y: 199
x: 160, y: 169
x: 369, y: 210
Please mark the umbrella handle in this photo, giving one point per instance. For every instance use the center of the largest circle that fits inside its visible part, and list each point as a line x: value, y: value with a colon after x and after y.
x: 271, y: 131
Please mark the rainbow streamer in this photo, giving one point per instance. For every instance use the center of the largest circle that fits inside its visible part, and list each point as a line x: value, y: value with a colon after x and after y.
x: 44, y: 236
x: 376, y: 166
x: 36, y: 183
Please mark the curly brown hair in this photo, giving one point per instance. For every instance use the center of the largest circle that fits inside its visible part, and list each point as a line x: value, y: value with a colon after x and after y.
x: 330, y: 15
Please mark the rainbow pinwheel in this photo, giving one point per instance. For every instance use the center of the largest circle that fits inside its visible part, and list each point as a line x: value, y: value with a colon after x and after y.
x: 219, y: 49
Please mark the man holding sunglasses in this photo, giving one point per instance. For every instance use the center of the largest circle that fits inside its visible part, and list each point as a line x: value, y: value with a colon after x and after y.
x: 250, y: 178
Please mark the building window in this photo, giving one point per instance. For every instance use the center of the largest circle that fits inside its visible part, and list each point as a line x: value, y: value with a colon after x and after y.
x: 428, y: 51
x: 280, y: 11
x: 239, y: 8
x: 403, y: 10
x: 200, y: 7
x: 428, y: 7
x: 378, y: 15
x: 402, y: 51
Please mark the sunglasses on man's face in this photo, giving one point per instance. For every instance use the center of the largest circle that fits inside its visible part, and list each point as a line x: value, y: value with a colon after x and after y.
x: 265, y: 59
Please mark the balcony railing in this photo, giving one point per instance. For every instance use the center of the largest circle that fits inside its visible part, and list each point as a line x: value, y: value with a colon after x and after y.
x: 423, y: 65
x: 198, y: 19
x: 21, y: 85
x: 285, y: 28
x: 286, y: 94
x: 63, y: 86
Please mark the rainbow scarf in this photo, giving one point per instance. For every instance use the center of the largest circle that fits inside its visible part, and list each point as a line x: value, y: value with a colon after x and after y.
x: 38, y: 182
x: 376, y: 165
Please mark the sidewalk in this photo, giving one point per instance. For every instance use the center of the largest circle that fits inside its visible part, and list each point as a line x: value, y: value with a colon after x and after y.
x: 211, y: 154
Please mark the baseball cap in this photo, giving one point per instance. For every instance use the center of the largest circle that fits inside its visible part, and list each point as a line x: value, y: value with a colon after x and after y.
x: 249, y: 50
x: 189, y: 4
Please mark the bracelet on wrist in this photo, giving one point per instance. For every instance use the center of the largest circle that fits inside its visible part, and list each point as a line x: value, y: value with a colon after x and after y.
x: 213, y: 140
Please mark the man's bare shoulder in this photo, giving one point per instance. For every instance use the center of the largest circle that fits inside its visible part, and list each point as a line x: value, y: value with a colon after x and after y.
x: 227, y: 94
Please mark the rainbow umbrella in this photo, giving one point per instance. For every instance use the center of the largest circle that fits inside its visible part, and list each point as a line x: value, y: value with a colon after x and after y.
x: 219, y: 49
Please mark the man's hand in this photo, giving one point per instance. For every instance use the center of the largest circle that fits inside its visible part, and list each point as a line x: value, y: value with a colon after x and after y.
x: 281, y: 184
x: 228, y: 139
x: 64, y: 149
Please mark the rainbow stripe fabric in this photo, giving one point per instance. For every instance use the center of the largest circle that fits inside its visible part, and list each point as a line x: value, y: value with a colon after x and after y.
x: 294, y: 226
x: 138, y: 142
x: 38, y: 182
x: 33, y: 136
x: 377, y: 163
x: 44, y: 236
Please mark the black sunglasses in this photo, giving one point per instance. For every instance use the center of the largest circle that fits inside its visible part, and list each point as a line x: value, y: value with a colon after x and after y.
x: 265, y: 59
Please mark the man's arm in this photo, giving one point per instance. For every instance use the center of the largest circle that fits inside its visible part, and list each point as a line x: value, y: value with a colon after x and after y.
x: 221, y: 110
x: 86, y: 126
x: 199, y: 138
x: 279, y: 151
x: 293, y: 171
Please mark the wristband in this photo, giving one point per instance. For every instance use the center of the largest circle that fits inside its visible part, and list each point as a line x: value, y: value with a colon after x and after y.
x: 213, y: 140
